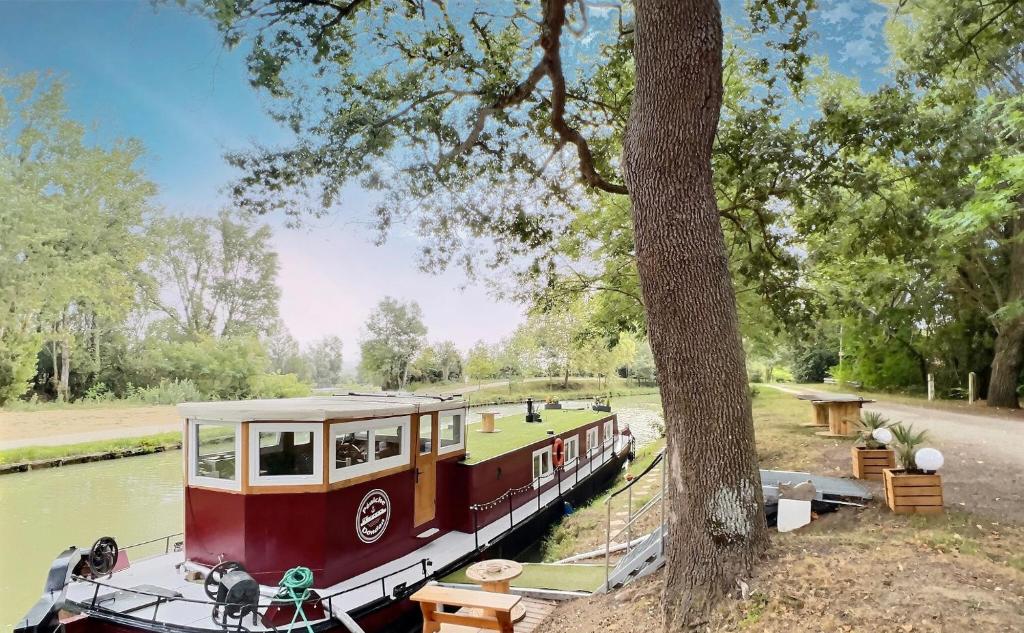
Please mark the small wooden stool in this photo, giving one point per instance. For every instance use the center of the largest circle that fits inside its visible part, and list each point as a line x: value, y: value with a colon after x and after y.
x: 488, y: 422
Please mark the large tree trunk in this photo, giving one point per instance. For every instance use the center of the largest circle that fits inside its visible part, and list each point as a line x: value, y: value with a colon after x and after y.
x: 715, y: 515
x: 1009, y: 345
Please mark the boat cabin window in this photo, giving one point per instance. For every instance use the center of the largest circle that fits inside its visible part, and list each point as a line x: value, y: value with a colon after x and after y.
x: 368, y: 446
x: 607, y: 431
x: 425, y: 432
x: 591, y: 440
x: 542, y: 463
x: 451, y: 431
x: 572, y: 451
x: 285, y: 454
x: 214, y: 448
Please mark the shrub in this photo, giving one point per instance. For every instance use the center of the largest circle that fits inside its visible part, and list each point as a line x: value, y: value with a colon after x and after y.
x: 906, y: 443
x: 813, y: 364
x: 866, y: 426
x: 277, y: 386
x: 169, y: 392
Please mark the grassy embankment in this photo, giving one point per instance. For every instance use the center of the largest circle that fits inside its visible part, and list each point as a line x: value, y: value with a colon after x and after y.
x: 539, y: 389
x: 124, y: 446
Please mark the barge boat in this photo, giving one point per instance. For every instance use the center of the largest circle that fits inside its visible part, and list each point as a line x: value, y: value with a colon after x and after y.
x: 326, y: 513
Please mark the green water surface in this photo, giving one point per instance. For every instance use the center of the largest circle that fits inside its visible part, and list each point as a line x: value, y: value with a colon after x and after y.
x: 42, y: 512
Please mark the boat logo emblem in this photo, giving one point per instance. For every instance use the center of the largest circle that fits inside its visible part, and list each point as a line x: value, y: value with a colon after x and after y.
x: 373, y: 515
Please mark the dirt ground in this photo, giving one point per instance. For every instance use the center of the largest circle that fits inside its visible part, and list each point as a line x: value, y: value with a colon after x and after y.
x: 867, y: 569
x: 852, y: 571
x: 83, y: 424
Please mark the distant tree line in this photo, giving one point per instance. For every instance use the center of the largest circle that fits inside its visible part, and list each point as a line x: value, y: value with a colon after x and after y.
x: 103, y: 295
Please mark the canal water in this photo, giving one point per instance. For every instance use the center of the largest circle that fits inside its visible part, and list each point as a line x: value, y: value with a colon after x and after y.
x: 134, y: 499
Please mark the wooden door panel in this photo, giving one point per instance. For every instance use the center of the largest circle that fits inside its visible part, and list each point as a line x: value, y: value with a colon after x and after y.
x: 426, y: 473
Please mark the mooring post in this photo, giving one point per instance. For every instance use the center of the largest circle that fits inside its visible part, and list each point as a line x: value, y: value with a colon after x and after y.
x: 972, y: 387
x: 931, y: 387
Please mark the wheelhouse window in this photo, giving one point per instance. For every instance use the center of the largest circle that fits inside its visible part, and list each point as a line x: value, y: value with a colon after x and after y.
x: 368, y: 446
x: 451, y: 431
x: 542, y: 464
x: 608, y: 432
x: 591, y: 440
x: 425, y: 443
x: 285, y: 454
x: 214, y: 451
x: 572, y: 452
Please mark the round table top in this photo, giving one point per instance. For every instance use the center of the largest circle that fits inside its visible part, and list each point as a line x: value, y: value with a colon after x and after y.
x: 494, y: 570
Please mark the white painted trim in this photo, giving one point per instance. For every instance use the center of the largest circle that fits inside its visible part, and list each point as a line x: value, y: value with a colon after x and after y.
x: 544, y: 477
x: 372, y: 464
x: 444, y: 450
x: 194, y: 479
x: 592, y: 439
x: 317, y: 430
x: 573, y: 441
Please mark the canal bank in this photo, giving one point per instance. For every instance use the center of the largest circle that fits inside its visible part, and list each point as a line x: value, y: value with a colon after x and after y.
x: 134, y: 500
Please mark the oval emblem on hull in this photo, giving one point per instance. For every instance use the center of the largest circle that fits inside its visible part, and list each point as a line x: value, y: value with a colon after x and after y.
x: 373, y: 515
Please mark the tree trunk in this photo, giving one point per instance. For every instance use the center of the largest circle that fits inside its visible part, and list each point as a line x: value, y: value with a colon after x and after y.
x: 715, y: 514
x: 63, y: 385
x: 565, y: 382
x: 1009, y: 344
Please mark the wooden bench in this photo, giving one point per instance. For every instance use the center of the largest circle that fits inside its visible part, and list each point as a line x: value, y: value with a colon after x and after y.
x: 483, y: 604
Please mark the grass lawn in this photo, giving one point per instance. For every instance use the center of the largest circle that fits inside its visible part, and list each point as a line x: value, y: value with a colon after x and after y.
x: 516, y: 433
x: 37, y: 453
x: 541, y: 576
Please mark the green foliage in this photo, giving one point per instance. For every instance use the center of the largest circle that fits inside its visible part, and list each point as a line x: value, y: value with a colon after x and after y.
x: 277, y: 386
x: 169, y: 392
x: 394, y: 334
x: 906, y: 442
x: 813, y: 364
x: 867, y: 424
x: 220, y: 368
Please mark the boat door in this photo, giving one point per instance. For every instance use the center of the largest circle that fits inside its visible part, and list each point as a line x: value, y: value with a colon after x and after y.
x: 426, y: 469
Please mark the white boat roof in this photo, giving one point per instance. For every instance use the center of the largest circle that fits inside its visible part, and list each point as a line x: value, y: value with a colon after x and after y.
x: 318, y: 408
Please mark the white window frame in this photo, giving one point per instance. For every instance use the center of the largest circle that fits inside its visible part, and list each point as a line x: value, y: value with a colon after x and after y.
x: 592, y: 440
x: 454, y: 448
x: 194, y: 478
x: 608, y: 432
x: 317, y: 430
x: 372, y: 464
x: 543, y: 477
x: 573, y: 441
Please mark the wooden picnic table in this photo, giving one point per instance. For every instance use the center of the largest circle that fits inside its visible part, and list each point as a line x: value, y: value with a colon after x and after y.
x: 839, y: 412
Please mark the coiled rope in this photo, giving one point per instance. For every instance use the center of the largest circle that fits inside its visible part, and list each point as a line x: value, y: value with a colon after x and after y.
x: 295, y: 586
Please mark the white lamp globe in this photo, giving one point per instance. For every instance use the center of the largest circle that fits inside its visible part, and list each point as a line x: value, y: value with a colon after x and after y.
x: 882, y: 435
x: 928, y: 459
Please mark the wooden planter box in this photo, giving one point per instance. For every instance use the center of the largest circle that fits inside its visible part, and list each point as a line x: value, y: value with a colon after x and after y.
x: 868, y: 463
x: 912, y: 493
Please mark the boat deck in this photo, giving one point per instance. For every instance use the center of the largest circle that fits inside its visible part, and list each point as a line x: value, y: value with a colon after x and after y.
x: 124, y: 591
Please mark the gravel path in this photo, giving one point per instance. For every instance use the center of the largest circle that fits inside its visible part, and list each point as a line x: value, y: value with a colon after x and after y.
x: 984, y: 469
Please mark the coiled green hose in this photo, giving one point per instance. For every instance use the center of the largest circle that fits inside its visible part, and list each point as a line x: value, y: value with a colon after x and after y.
x: 295, y: 586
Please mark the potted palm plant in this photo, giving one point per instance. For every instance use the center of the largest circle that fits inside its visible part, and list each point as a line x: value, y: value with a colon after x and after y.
x: 915, y: 487
x: 870, y: 453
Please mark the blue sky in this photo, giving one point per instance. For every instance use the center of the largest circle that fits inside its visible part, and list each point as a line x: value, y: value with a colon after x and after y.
x: 163, y: 77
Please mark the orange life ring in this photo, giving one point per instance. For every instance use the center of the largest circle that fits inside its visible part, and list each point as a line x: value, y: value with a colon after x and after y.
x: 558, y: 453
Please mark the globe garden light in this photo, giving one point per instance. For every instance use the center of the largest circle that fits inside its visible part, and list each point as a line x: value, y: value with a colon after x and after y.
x: 928, y: 459
x: 882, y: 435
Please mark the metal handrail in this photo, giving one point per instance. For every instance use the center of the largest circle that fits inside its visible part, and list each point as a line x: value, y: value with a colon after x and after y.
x: 659, y: 498
x: 165, y: 539
x: 424, y: 563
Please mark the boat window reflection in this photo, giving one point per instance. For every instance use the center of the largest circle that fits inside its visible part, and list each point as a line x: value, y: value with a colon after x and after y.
x: 286, y: 453
x: 215, y: 451
x: 388, y: 442
x: 450, y: 430
x: 351, y: 449
x: 425, y: 432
